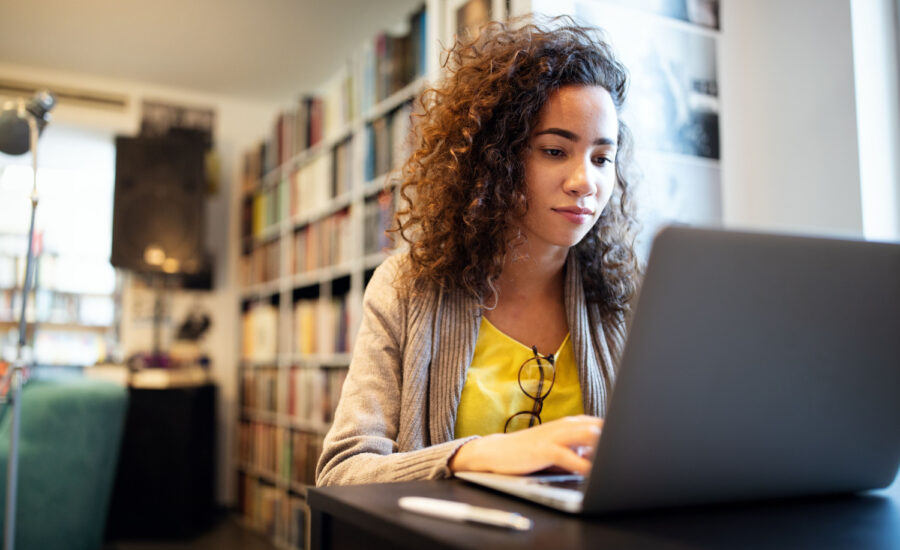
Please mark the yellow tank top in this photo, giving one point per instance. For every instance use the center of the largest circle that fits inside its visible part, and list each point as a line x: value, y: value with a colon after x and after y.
x: 491, y: 393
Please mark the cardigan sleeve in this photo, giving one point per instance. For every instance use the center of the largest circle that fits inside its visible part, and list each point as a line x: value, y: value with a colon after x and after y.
x: 361, y: 446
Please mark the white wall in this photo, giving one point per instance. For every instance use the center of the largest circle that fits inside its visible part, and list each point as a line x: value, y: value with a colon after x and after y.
x: 789, y: 129
x: 877, y: 70
x: 239, y: 124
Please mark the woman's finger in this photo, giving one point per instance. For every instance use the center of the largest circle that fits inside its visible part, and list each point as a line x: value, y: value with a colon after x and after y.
x: 569, y: 460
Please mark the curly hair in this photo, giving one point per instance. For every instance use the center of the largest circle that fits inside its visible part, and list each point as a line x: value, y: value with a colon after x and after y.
x: 464, y: 185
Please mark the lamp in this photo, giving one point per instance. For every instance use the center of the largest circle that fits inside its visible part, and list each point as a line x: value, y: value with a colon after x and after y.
x: 20, y: 126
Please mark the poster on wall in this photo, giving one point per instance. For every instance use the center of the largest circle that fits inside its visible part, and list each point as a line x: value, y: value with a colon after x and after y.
x: 697, y: 12
x: 677, y: 190
x: 672, y: 109
x: 159, y: 118
x: 673, y: 103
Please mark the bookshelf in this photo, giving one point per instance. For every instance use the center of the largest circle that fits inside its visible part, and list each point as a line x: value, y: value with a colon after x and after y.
x: 315, y: 202
x: 67, y: 324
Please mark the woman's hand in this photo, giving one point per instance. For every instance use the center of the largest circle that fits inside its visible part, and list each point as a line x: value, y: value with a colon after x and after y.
x: 560, y: 443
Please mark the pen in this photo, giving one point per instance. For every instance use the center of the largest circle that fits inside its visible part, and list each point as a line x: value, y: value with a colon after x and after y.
x: 460, y: 511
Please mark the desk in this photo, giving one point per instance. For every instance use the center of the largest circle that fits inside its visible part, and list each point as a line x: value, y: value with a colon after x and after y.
x: 367, y: 516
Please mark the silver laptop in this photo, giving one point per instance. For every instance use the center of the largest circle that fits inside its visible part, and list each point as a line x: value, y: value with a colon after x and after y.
x: 757, y: 366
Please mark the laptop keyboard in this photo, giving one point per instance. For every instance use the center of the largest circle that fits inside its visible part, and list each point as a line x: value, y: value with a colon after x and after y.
x: 566, y: 481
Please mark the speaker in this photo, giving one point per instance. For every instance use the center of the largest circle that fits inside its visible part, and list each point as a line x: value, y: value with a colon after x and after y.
x: 158, y: 212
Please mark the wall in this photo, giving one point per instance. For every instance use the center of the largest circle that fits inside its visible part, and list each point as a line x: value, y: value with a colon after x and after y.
x: 789, y: 129
x: 239, y: 123
x: 876, y: 61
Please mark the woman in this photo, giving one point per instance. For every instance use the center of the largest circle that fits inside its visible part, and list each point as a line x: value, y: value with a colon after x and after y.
x: 491, y: 344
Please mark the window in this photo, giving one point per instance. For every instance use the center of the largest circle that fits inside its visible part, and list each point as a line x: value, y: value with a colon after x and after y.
x: 75, y: 296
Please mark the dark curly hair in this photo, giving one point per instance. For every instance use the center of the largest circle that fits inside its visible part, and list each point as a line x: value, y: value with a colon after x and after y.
x: 464, y: 185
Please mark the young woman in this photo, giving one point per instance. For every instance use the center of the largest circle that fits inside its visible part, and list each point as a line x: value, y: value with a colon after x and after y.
x: 491, y: 344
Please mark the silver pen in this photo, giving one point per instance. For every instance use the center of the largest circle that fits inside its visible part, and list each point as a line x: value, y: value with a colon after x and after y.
x: 462, y: 512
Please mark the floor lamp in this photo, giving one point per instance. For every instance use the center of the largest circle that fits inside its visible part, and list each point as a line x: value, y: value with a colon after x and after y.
x: 20, y: 126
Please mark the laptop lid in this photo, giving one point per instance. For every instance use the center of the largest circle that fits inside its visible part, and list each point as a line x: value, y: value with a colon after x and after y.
x: 756, y: 366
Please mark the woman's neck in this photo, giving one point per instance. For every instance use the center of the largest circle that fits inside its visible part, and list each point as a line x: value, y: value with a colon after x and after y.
x: 530, y: 276
x: 530, y: 305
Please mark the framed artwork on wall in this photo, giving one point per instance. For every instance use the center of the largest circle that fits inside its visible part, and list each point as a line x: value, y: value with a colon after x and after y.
x: 670, y: 48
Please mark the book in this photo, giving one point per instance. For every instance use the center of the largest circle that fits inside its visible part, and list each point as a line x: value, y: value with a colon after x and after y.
x: 378, y: 216
x: 260, y: 330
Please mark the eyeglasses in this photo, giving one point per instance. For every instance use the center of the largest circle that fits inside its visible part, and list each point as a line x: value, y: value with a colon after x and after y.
x: 536, y: 377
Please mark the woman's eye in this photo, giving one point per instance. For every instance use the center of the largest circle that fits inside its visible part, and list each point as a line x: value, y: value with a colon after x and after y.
x: 553, y: 152
x: 603, y: 161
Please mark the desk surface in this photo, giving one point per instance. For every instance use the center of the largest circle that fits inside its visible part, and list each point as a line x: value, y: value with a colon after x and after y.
x: 368, y: 515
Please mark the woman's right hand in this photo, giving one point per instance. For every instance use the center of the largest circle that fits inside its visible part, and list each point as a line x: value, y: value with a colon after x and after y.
x: 560, y: 443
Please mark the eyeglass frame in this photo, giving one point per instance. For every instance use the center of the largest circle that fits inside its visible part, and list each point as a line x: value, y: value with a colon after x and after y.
x: 538, y: 406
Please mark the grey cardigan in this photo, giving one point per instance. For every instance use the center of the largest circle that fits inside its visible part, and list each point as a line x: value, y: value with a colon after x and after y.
x: 397, y: 412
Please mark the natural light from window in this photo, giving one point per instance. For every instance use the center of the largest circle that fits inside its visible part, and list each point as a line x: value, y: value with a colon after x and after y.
x: 74, y: 304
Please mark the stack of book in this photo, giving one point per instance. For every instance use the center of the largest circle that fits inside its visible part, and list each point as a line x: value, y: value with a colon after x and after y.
x: 260, y: 330
x: 323, y: 243
x: 259, y: 389
x: 321, y: 326
x: 313, y: 394
x: 389, y: 141
x: 307, y: 447
x: 262, y: 504
x: 394, y: 60
x: 311, y: 186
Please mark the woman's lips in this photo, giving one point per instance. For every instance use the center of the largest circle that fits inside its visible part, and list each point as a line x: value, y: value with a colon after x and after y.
x: 575, y: 214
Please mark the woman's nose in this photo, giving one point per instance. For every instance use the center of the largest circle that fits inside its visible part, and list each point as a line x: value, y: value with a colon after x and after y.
x: 578, y: 182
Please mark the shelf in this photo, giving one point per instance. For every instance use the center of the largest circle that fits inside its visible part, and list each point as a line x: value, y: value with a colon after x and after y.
x: 259, y: 473
x: 331, y: 207
x: 58, y: 326
x: 261, y: 290
x: 300, y: 489
x: 398, y: 98
x: 375, y: 186
x: 260, y: 415
x: 268, y: 235
x: 318, y: 308
x: 18, y: 291
x: 375, y: 259
x: 325, y: 360
x: 317, y: 276
x: 305, y: 156
x: 257, y: 364
x: 285, y: 421
x: 318, y: 428
x: 271, y: 179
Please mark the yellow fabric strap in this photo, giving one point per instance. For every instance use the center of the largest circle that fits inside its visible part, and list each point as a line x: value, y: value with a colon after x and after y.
x: 491, y: 393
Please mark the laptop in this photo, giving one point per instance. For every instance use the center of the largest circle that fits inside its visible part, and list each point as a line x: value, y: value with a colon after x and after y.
x: 757, y: 366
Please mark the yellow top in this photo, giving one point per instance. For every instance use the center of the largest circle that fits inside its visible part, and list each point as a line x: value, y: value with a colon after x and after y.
x: 492, y: 394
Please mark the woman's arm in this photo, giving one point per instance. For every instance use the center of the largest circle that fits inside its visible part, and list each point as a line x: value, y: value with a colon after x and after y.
x: 362, y: 445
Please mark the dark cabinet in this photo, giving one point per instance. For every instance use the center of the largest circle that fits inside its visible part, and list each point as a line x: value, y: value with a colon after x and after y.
x: 165, y: 481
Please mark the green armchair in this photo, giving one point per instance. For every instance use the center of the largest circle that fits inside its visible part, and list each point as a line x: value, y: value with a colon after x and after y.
x: 69, y: 441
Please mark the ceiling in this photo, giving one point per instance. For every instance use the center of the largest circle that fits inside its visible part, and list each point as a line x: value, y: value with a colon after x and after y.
x: 268, y: 50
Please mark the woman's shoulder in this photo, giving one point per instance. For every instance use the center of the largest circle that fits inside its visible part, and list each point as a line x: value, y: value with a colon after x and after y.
x: 389, y: 281
x: 389, y: 272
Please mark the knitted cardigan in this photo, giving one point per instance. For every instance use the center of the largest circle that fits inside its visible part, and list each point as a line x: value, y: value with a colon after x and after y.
x: 396, y: 416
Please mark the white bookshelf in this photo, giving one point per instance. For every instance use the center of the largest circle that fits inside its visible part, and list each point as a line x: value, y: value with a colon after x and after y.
x: 272, y: 379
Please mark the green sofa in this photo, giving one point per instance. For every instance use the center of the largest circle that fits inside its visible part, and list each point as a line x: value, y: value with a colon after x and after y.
x: 69, y: 441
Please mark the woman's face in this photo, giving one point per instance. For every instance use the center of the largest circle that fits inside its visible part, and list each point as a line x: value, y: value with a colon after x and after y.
x: 569, y: 167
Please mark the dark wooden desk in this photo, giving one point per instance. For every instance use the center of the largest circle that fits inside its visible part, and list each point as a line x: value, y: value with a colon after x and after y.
x: 367, y: 516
